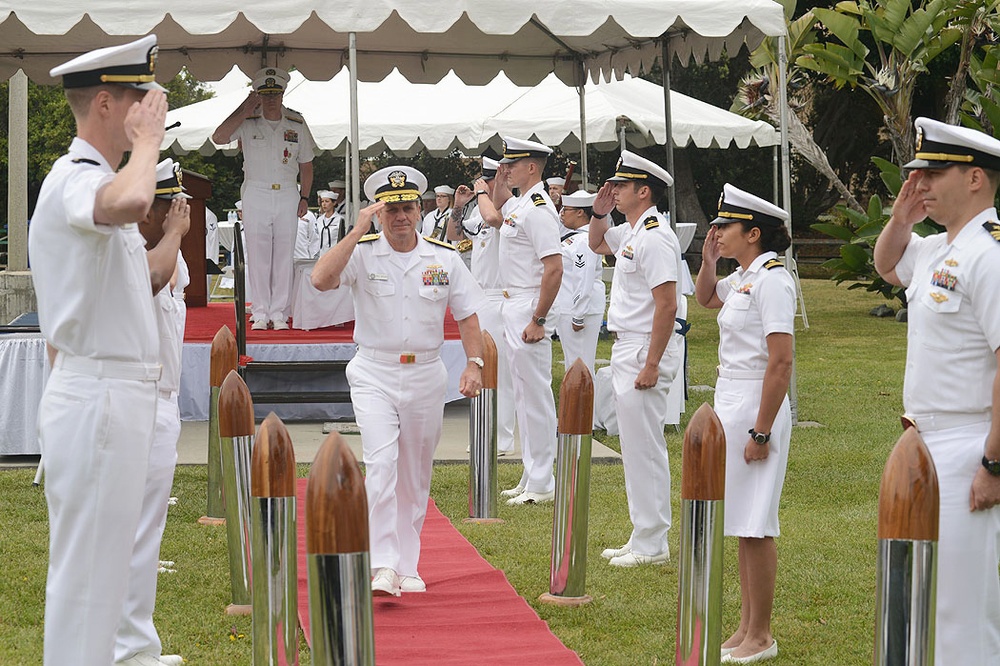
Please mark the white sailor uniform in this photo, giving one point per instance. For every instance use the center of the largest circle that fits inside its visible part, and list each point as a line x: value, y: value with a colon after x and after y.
x: 307, y: 237
x: 756, y: 303
x: 528, y: 235
x: 272, y: 152
x: 331, y: 230
x: 952, y: 335
x: 581, y: 299
x: 434, y: 223
x: 647, y: 255
x: 398, y: 381
x: 98, y: 410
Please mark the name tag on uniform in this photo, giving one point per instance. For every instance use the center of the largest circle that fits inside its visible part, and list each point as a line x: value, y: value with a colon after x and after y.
x: 378, y: 277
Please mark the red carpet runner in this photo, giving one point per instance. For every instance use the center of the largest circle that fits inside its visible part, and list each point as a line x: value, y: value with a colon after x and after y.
x: 470, y: 614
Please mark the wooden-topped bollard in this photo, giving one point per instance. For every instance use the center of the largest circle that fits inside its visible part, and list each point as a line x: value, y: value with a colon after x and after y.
x: 483, y: 483
x: 703, y: 493
x: 223, y: 358
x: 273, y: 544
x: 906, y: 575
x: 340, y: 588
x: 236, y: 431
x: 570, y: 517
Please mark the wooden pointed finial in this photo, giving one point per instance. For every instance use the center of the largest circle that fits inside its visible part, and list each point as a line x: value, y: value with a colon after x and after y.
x: 489, y: 361
x: 576, y: 401
x: 336, y: 503
x: 908, y: 499
x: 272, y: 464
x: 235, y: 407
x: 223, y: 356
x: 703, y: 461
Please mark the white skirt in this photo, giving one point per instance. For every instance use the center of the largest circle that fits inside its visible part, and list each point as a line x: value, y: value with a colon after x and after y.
x: 753, y: 490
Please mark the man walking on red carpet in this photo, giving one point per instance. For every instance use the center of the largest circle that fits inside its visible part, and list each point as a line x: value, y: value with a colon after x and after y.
x: 402, y: 285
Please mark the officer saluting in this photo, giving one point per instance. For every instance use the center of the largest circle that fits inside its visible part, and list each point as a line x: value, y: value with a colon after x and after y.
x: 402, y: 285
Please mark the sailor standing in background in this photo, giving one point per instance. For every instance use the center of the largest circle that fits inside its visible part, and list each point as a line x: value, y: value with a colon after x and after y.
x: 556, y: 186
x: 277, y: 148
x: 436, y: 222
x: 307, y: 237
x: 329, y: 222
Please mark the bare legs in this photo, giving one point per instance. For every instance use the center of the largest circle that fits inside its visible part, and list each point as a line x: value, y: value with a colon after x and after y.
x: 758, y: 561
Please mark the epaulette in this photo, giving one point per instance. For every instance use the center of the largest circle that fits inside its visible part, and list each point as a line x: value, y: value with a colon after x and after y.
x: 84, y: 160
x: 429, y: 239
x: 774, y: 263
x: 537, y: 199
x: 993, y: 228
x: 368, y: 238
x: 294, y: 116
x: 651, y: 222
x: 255, y: 116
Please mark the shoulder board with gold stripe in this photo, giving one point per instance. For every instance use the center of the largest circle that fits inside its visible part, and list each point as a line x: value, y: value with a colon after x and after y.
x: 294, y: 116
x: 438, y: 242
x: 537, y: 199
x: 992, y: 227
x: 84, y: 160
x: 774, y: 263
x: 651, y: 222
x: 255, y: 116
x: 368, y: 238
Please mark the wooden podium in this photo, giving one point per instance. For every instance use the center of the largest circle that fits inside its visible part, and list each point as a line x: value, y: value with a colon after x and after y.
x: 193, y: 245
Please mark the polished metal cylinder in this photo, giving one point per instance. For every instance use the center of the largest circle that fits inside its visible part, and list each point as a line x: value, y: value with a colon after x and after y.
x: 236, y: 490
x: 483, y: 482
x: 273, y: 542
x: 216, y: 508
x: 568, y: 573
x: 905, y: 602
x: 340, y: 609
x: 699, y: 603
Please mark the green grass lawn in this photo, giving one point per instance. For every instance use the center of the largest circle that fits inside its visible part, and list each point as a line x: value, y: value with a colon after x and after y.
x: 849, y: 380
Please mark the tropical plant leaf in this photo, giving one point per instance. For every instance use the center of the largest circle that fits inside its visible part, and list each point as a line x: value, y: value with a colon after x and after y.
x: 844, y: 27
x: 855, y: 257
x: 834, y: 230
x: 890, y: 173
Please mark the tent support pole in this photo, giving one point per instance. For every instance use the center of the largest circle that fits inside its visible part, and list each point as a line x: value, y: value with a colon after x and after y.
x: 665, y: 62
x: 17, y: 174
x: 355, y: 174
x: 786, y: 194
x: 581, y: 90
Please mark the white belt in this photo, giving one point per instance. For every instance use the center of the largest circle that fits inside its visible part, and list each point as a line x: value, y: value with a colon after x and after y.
x: 629, y: 335
x: 144, y: 372
x: 493, y: 292
x: 513, y: 292
x: 399, y: 357
x: 271, y: 186
x: 943, y: 421
x: 739, y: 374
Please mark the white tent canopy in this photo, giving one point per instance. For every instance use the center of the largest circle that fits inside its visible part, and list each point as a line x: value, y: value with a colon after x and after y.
x: 406, y: 117
x: 424, y: 40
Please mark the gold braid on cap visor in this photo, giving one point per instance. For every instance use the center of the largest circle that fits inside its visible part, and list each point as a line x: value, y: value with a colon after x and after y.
x: 396, y: 196
x: 734, y: 216
x: 944, y: 157
x: 633, y: 176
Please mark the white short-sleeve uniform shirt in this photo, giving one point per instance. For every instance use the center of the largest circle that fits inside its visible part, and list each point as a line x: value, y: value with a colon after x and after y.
x: 529, y: 233
x: 273, y: 150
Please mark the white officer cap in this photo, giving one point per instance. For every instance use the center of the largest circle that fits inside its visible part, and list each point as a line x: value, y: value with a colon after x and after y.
x: 941, y: 145
x: 270, y: 81
x: 131, y: 65
x: 578, y: 199
x: 169, y: 181
x: 337, y: 184
x: 489, y: 168
x: 444, y: 189
x: 637, y: 168
x: 394, y: 184
x: 516, y: 149
x: 327, y: 194
x: 736, y: 205
x: 238, y: 205
x: 556, y: 181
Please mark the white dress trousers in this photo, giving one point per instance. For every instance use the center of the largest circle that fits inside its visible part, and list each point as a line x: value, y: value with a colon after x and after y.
x: 271, y: 229
x: 491, y: 321
x: 534, y: 404
x: 400, y: 409
x: 641, y: 418
x: 579, y: 344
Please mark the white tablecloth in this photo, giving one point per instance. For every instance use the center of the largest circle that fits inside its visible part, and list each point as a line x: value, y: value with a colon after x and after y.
x: 23, y: 373
x: 315, y: 309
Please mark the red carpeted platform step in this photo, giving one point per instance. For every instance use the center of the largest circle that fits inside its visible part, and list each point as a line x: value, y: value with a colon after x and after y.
x: 469, y: 614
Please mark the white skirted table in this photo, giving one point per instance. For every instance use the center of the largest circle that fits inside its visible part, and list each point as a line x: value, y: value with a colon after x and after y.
x: 312, y: 308
x: 23, y: 373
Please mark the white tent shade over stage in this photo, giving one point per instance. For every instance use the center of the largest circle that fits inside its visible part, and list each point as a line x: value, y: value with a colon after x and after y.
x: 405, y: 117
x: 424, y: 40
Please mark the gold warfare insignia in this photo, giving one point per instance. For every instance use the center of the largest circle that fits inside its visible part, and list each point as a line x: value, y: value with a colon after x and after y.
x: 993, y: 228
x: 397, y: 179
x: 651, y: 222
x: 920, y: 137
x: 951, y: 263
x: 270, y: 72
x: 773, y: 263
x: 537, y: 199
x: 938, y: 297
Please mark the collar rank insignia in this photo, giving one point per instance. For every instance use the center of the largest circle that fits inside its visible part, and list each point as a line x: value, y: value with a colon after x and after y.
x: 951, y: 263
x: 938, y: 297
x: 651, y: 222
x: 944, y: 279
x: 993, y: 228
x: 774, y: 263
x: 537, y: 199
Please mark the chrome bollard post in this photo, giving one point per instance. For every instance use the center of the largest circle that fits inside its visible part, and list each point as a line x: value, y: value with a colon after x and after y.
x: 273, y: 543
x: 223, y: 357
x: 483, y: 484
x: 906, y: 573
x: 236, y: 431
x: 703, y: 491
x: 568, y: 572
x: 340, y: 589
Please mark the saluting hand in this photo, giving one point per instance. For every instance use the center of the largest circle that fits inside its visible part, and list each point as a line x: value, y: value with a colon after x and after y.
x: 909, y: 208
x: 463, y: 195
x: 605, y: 200
x: 365, y: 217
x: 178, y: 218
x: 145, y: 119
x: 251, y: 103
x: 710, y: 248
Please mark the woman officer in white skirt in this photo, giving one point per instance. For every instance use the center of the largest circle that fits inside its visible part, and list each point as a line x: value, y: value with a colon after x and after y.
x: 756, y: 326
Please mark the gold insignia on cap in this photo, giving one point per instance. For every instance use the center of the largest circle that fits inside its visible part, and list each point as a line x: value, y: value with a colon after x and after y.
x: 152, y: 59
x: 270, y: 72
x: 503, y: 145
x: 920, y: 137
x: 618, y: 167
x: 722, y: 198
x: 397, y: 179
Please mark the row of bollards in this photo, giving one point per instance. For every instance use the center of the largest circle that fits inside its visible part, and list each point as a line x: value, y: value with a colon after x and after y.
x: 256, y: 493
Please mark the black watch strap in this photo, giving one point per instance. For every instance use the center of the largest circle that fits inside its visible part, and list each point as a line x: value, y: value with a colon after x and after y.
x: 759, y: 437
x: 992, y: 466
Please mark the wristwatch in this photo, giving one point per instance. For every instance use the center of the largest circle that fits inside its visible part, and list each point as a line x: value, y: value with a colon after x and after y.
x: 540, y: 321
x: 761, y: 438
x: 304, y: 198
x: 992, y: 466
x: 478, y: 361
x: 479, y: 193
x: 598, y: 217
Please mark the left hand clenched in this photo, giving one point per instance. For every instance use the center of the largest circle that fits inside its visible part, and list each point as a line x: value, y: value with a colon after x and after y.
x: 471, y: 382
x: 985, y: 491
x: 755, y: 452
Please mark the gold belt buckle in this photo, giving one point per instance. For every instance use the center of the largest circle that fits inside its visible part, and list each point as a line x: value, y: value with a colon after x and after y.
x: 407, y: 358
x: 505, y: 294
x: 275, y: 186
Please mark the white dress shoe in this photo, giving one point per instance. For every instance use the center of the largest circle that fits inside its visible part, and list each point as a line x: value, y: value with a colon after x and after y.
x: 171, y: 659
x: 141, y: 659
x: 512, y: 492
x: 768, y: 653
x: 412, y: 584
x: 259, y: 326
x: 609, y: 553
x: 385, y: 583
x: 633, y: 559
x: 726, y: 651
x: 280, y: 325
x: 528, y: 497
